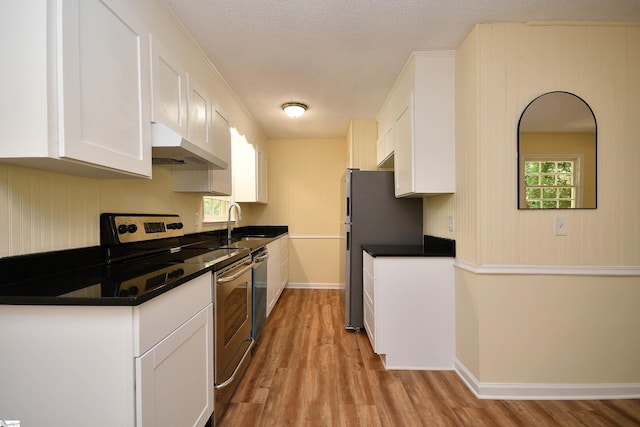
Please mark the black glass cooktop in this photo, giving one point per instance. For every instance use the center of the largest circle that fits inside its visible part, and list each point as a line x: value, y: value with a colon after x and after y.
x: 124, y: 283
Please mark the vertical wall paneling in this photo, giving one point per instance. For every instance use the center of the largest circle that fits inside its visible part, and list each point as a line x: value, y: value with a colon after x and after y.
x: 47, y: 211
x: 501, y: 68
x: 545, y: 328
x: 361, y: 144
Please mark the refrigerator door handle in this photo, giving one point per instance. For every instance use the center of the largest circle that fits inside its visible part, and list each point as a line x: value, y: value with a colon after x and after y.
x: 348, y: 207
x: 348, y: 240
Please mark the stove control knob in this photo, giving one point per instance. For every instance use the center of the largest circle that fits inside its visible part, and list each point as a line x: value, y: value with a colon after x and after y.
x: 179, y: 225
x: 122, y: 228
x: 171, y: 226
x: 132, y: 228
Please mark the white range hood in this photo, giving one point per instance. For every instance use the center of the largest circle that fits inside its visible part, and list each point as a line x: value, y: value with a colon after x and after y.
x: 170, y: 148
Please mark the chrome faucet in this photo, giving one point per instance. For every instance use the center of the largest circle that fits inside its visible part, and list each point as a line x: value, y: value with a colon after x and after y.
x: 239, y: 209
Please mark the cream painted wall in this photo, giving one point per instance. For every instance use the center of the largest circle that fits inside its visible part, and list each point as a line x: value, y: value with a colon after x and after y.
x: 559, y: 329
x: 570, y: 322
x: 304, y: 193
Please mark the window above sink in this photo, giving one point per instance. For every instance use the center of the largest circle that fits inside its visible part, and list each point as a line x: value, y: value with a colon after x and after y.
x: 216, y: 209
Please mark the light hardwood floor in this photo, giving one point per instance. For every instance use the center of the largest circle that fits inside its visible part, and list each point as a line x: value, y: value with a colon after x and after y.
x: 308, y: 370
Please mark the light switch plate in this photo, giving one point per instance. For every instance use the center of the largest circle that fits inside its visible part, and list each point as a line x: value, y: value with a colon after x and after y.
x: 560, y: 227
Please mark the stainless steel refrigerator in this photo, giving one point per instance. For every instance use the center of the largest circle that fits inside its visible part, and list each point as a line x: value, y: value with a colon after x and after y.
x: 371, y: 214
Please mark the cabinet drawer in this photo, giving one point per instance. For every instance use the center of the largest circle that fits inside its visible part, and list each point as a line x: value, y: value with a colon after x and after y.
x: 367, y: 263
x: 367, y: 287
x: 155, y: 319
x: 369, y: 323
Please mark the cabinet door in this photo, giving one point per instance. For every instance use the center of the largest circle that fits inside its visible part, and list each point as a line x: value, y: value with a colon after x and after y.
x: 103, y: 86
x: 243, y: 169
x: 168, y: 89
x: 213, y: 181
x: 368, y: 298
x: 175, y: 378
x: 263, y: 177
x: 389, y: 142
x: 221, y: 178
x: 380, y: 151
x: 250, y: 173
x: 273, y: 275
x: 199, y: 114
x: 403, y: 156
x: 284, y: 262
x: 385, y: 149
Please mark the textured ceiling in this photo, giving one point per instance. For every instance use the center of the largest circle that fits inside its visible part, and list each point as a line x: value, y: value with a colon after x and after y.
x: 341, y: 57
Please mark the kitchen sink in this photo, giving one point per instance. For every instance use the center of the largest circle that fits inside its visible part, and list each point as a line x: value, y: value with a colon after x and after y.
x: 251, y: 242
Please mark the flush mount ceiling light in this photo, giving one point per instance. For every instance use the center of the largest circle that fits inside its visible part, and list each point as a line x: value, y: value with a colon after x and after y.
x: 294, y: 109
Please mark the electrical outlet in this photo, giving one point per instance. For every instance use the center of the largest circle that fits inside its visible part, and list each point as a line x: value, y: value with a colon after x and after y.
x: 560, y: 227
x: 451, y: 223
x: 196, y: 219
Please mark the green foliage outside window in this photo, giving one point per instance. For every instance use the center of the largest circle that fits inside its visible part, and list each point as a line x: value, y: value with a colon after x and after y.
x: 549, y: 184
x: 215, y: 208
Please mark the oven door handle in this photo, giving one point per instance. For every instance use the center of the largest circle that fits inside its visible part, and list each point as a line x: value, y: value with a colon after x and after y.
x: 233, y: 277
x: 235, y: 371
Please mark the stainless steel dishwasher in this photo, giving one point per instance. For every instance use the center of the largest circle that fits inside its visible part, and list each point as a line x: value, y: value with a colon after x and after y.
x: 260, y: 257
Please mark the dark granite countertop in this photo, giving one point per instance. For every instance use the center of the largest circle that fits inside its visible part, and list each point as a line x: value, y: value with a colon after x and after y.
x: 432, y: 247
x: 82, y: 277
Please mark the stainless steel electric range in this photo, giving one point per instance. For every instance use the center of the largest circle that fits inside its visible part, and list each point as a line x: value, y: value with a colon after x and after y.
x: 150, y: 240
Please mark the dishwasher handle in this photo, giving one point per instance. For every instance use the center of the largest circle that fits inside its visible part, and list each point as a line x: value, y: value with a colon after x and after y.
x: 262, y: 257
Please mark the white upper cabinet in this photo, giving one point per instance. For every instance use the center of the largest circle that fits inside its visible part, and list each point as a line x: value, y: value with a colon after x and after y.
x: 168, y: 89
x: 385, y: 147
x: 222, y: 149
x: 199, y: 114
x: 75, y: 88
x: 420, y: 111
x: 211, y: 181
x: 249, y: 171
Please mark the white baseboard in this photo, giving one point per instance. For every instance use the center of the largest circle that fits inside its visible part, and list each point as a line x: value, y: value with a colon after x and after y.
x: 530, y: 391
x: 306, y: 285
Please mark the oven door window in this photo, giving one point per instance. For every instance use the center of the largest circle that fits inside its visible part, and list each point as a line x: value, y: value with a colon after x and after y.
x: 236, y: 309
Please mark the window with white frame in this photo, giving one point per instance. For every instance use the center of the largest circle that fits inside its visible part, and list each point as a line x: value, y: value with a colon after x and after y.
x: 551, y: 183
x: 216, y: 208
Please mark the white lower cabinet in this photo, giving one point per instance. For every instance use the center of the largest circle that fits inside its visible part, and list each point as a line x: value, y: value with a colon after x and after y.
x: 273, y: 275
x: 175, y: 376
x: 409, y: 311
x: 277, y: 270
x: 284, y: 261
x: 102, y: 366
